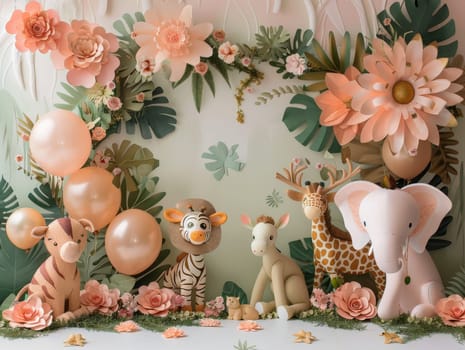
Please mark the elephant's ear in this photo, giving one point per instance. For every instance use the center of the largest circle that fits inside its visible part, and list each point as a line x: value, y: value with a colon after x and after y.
x: 348, y: 199
x: 433, y: 206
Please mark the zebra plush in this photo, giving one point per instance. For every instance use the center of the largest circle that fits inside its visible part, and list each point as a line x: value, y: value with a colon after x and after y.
x: 57, y: 280
x: 194, y: 228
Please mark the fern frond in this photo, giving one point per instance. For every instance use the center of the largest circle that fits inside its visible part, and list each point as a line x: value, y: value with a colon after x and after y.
x: 457, y: 283
x: 277, y: 92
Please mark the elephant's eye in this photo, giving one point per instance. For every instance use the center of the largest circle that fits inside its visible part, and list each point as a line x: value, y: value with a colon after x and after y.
x: 365, y: 223
x: 271, y: 238
x: 410, y: 225
x: 253, y: 237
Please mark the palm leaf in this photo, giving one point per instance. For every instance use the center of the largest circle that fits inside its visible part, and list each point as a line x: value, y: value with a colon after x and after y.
x: 445, y: 156
x: 74, y: 97
x: 302, y: 252
x: 142, y: 198
x: 305, y: 121
x: 429, y: 18
x: 42, y: 197
x: 8, y: 201
x: 94, y: 263
x: 456, y: 285
x: 125, y: 27
x: 231, y: 289
x: 155, y: 116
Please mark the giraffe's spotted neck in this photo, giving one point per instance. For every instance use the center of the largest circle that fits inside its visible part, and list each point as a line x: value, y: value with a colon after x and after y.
x: 319, y: 228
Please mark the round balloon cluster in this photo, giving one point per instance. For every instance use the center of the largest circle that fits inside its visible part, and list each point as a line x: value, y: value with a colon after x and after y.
x: 60, y: 143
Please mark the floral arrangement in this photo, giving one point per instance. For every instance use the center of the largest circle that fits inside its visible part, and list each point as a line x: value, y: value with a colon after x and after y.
x: 397, y: 91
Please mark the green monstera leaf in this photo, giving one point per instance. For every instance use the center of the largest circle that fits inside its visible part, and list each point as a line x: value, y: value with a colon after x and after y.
x: 302, y: 253
x: 223, y: 159
x: 429, y: 18
x: 305, y: 121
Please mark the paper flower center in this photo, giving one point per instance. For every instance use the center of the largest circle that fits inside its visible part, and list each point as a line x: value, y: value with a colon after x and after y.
x: 173, y: 37
x: 403, y: 92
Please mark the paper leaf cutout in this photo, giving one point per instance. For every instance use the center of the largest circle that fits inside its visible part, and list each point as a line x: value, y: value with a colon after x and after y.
x: 8, y: 201
x: 44, y: 197
x: 94, y: 263
x: 123, y: 283
x: 154, y: 271
x: 223, y: 159
x: 231, y: 289
x: 430, y: 19
x: 306, y: 121
x: 274, y: 199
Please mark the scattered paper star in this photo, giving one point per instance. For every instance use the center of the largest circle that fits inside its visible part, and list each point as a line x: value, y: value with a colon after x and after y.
x: 391, y: 338
x: 75, y: 340
x: 304, y: 337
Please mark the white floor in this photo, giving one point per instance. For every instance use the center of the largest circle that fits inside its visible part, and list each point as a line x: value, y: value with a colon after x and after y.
x: 276, y: 334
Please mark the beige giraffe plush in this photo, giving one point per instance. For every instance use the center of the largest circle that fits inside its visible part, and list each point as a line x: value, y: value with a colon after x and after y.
x: 333, y: 252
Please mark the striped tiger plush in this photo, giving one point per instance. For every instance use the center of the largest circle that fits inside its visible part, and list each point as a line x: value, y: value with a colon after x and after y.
x: 57, y: 280
x: 189, y: 274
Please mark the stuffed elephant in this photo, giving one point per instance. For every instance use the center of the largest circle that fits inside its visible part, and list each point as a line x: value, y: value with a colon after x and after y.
x: 398, y: 223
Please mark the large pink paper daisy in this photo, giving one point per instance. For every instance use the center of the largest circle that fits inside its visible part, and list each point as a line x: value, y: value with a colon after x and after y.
x: 406, y: 92
x: 168, y: 34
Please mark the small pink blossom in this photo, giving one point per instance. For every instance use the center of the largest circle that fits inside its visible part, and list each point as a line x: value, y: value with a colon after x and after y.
x: 209, y: 322
x: 98, y: 133
x: 201, y: 68
x: 19, y: 158
x: 89, y: 56
x: 145, y: 66
x: 354, y: 301
x: 128, y: 305
x: 250, y: 89
x: 319, y: 166
x: 98, y: 297
x: 116, y: 171
x: 32, y: 314
x: 37, y: 29
x: 246, y: 61
x: 387, y: 21
x: 100, y: 160
x: 140, y: 97
x: 219, y: 35
x: 111, y: 85
x: 452, y: 310
x: 227, y: 52
x: 156, y: 301
x: 114, y: 103
x: 214, y: 307
x: 295, y: 64
x: 24, y: 137
x: 321, y: 300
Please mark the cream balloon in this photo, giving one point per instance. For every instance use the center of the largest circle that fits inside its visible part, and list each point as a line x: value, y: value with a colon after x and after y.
x: 19, y: 226
x: 403, y: 164
x: 89, y: 194
x: 133, y: 241
x: 60, y: 142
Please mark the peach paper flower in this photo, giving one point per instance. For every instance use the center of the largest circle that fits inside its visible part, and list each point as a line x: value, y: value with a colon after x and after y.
x: 98, y: 297
x: 219, y: 35
x: 173, y: 332
x: 168, y: 34
x: 452, y: 310
x: 89, y: 55
x: 32, y: 314
x: 406, y: 92
x: 335, y: 105
x: 249, y: 326
x: 209, y: 322
x: 127, y: 327
x: 37, y: 29
x: 156, y: 301
x: 98, y: 133
x: 227, y: 52
x: 354, y: 301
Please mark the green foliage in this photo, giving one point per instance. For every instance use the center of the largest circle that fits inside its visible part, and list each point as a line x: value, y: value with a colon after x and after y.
x: 302, y: 252
x: 331, y: 319
x: 244, y: 346
x: 123, y: 283
x: 7, y: 302
x: 155, y: 115
x: 125, y: 28
x: 429, y: 18
x: 274, y: 199
x: 231, y: 289
x: 43, y: 197
x: 223, y: 159
x: 155, y: 271
x: 94, y: 263
x: 456, y: 285
x: 272, y: 42
x: 278, y: 92
x: 74, y: 97
x: 8, y: 201
x: 306, y: 121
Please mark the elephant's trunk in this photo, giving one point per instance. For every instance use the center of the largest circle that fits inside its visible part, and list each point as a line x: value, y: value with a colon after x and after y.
x: 388, y: 253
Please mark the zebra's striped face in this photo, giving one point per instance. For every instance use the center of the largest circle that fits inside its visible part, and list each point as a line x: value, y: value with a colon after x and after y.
x: 196, y: 227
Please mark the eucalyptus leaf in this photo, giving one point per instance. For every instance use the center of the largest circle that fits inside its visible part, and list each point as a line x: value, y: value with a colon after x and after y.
x: 197, y: 90
x: 231, y: 289
x: 305, y: 121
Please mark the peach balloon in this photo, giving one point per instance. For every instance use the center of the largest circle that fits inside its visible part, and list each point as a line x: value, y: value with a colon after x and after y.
x: 89, y: 194
x: 133, y: 241
x: 20, y: 224
x: 60, y: 142
x: 403, y: 164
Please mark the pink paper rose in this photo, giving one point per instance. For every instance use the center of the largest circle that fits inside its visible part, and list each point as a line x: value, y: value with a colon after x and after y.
x: 37, y: 29
x: 89, y: 55
x: 114, y: 103
x: 98, y: 133
x: 98, y: 297
x: 169, y: 35
x: 354, y: 301
x: 153, y: 300
x: 452, y: 310
x: 227, y: 52
x: 295, y: 64
x: 32, y: 314
x: 219, y: 35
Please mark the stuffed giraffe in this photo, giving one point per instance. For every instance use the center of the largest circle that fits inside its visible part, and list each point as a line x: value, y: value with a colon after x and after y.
x: 333, y: 252
x: 57, y: 280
